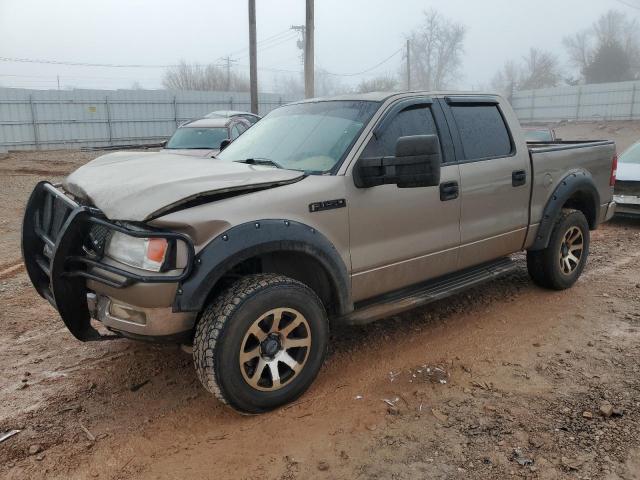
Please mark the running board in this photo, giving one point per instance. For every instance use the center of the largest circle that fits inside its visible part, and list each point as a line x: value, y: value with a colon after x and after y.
x: 422, y: 294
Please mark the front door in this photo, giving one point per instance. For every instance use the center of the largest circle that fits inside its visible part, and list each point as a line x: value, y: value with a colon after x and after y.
x: 402, y: 236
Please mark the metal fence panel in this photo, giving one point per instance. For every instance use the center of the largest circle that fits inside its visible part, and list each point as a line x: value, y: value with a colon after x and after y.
x: 46, y: 119
x: 605, y: 101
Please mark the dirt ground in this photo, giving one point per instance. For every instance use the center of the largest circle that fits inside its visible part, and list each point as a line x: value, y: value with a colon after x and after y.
x: 504, y: 380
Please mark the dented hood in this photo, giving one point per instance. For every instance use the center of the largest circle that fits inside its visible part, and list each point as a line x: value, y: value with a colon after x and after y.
x: 137, y: 186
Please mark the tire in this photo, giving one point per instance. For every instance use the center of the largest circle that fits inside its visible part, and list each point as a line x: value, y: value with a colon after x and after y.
x: 560, y: 265
x: 239, y: 320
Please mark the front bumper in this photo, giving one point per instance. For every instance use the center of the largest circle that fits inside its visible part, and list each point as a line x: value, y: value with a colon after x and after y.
x: 62, y: 252
x: 627, y: 204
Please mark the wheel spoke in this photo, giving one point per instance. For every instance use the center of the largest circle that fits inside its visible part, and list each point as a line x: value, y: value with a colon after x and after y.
x: 296, y: 342
x: 575, y: 247
x: 575, y: 234
x: 572, y: 258
x: 277, y: 318
x: 250, y: 355
x: 289, y: 361
x: 257, y: 374
x: 289, y: 328
x: 275, y: 375
x: 257, y: 332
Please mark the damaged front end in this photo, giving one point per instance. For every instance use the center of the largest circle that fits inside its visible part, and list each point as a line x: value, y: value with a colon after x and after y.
x: 63, y: 244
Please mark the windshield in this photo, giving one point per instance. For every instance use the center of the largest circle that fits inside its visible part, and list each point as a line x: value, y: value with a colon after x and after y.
x: 190, y: 137
x: 310, y: 137
x: 631, y: 155
x: 543, y: 135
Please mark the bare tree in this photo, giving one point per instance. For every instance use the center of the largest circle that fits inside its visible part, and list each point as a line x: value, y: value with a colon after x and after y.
x: 210, y: 77
x: 326, y: 84
x: 539, y: 69
x: 383, y: 83
x: 607, y: 51
x: 436, y: 52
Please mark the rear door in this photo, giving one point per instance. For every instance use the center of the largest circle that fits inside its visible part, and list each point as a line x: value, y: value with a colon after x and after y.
x: 495, y: 180
x: 402, y: 236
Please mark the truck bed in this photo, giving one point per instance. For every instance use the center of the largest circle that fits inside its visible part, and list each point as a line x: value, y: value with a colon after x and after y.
x: 552, y: 161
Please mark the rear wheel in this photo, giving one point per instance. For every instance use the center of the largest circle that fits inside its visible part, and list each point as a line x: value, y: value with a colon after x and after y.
x: 261, y: 343
x: 560, y: 264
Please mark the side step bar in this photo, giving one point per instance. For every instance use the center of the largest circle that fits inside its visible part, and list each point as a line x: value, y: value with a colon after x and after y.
x: 422, y: 294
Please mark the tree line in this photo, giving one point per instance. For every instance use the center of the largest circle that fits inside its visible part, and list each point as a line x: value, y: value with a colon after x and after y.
x: 607, y: 51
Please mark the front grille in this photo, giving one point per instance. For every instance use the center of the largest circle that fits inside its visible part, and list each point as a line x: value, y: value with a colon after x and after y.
x: 626, y: 187
x: 97, y: 239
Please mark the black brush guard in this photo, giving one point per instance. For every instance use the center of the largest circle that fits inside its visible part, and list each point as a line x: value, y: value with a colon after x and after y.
x: 60, y: 255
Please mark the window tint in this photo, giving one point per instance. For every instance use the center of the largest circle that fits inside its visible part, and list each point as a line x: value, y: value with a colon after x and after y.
x: 411, y: 121
x: 482, y: 131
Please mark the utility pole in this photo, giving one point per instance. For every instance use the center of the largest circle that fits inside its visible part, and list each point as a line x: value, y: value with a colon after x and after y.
x: 253, y: 58
x: 308, y: 52
x: 300, y: 43
x: 228, y: 82
x: 408, y: 66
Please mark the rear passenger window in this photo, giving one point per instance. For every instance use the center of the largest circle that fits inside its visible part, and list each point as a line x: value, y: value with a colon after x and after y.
x: 416, y: 120
x: 482, y: 131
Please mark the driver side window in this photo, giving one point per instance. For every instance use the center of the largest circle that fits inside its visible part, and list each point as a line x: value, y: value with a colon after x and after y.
x: 413, y: 120
x: 235, y: 133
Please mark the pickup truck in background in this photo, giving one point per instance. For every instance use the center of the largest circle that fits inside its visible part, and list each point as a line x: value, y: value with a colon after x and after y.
x: 345, y: 209
x: 539, y: 134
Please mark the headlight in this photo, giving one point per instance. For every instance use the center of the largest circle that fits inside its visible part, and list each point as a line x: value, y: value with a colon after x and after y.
x: 145, y: 253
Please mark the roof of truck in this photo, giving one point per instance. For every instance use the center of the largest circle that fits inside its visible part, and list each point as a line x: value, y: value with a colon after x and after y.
x: 382, y: 96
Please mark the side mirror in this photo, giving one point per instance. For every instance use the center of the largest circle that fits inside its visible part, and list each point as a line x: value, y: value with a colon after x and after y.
x: 224, y: 143
x: 164, y: 144
x: 416, y: 164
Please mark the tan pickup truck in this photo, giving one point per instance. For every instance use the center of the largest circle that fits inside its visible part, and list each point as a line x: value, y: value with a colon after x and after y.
x: 345, y: 209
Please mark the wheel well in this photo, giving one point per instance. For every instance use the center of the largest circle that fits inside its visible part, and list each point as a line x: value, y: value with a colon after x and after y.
x: 297, y: 265
x: 584, y: 202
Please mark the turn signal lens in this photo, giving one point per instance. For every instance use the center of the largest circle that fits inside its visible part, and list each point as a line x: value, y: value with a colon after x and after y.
x: 614, y: 171
x: 157, y: 249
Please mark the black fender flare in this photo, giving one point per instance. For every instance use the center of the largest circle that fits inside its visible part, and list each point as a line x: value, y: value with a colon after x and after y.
x: 248, y: 240
x: 577, y: 181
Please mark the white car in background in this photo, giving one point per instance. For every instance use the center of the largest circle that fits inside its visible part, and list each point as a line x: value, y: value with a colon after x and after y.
x: 627, y: 189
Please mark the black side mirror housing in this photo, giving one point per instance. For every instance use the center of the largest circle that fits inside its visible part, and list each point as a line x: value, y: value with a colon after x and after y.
x: 224, y: 143
x: 416, y: 164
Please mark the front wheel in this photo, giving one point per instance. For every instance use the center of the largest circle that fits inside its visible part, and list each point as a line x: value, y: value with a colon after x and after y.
x: 261, y: 343
x: 560, y: 264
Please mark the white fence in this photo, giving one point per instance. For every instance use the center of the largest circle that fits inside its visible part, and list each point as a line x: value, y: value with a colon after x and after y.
x: 605, y: 101
x: 48, y: 119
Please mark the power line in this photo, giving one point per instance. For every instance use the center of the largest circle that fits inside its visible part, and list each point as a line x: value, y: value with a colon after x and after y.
x: 630, y: 5
x: 368, y: 69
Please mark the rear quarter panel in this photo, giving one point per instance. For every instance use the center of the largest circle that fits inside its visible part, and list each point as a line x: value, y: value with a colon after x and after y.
x: 552, y: 165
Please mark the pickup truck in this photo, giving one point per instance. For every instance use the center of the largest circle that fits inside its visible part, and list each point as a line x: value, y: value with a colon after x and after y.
x: 347, y: 209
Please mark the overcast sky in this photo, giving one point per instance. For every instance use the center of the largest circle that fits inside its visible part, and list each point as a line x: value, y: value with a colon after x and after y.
x: 351, y: 36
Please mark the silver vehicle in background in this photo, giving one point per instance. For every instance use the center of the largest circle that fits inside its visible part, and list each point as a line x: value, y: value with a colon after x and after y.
x: 248, y: 116
x: 205, y: 137
x: 627, y: 189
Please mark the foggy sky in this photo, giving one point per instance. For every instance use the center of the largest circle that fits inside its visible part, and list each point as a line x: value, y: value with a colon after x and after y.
x: 351, y: 36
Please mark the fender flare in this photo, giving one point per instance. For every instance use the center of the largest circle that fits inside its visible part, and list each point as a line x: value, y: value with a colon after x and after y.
x: 259, y: 237
x: 574, y: 182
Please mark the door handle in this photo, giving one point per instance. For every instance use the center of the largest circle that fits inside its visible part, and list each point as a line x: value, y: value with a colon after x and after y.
x: 518, y: 178
x: 449, y: 191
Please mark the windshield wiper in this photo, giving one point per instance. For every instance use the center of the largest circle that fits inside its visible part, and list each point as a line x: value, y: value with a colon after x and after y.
x: 260, y: 161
